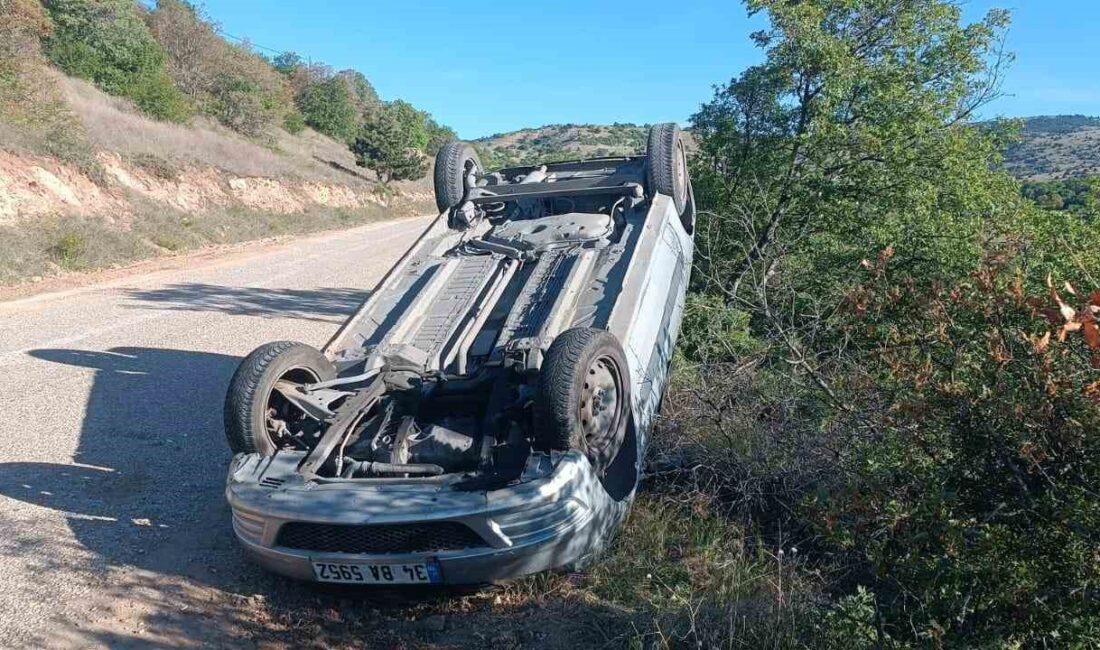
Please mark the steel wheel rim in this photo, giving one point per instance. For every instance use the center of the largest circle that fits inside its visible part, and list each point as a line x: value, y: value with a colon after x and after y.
x: 601, y: 406
x: 283, y: 420
x: 470, y: 171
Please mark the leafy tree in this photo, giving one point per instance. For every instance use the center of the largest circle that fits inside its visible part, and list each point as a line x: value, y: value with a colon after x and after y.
x: 362, y: 92
x: 287, y: 62
x: 1078, y: 195
x: 852, y: 135
x: 106, y: 42
x: 413, y: 122
x: 893, y: 279
x: 329, y: 107
x: 298, y: 73
x: 230, y: 82
x: 387, y: 147
x: 438, y: 135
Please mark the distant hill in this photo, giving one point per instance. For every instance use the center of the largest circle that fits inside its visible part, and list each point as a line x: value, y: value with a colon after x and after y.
x: 561, y: 142
x: 1056, y: 147
x: 1051, y: 147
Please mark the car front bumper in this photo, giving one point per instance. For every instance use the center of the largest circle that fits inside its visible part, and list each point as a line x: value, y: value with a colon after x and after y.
x: 540, y: 524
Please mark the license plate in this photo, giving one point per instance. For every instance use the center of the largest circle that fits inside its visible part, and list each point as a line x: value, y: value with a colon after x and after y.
x: 378, y: 573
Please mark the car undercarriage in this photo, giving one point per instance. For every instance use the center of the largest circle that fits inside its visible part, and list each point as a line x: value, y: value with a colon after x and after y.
x: 524, y: 337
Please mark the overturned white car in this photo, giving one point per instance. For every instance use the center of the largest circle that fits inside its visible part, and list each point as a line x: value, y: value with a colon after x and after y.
x: 484, y: 414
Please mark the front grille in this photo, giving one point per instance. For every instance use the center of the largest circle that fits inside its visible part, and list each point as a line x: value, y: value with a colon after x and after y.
x: 381, y: 538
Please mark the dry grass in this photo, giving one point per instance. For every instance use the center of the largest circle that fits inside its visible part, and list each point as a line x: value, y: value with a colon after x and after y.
x: 114, y: 124
x: 34, y: 117
x: 678, y: 577
x: 46, y: 246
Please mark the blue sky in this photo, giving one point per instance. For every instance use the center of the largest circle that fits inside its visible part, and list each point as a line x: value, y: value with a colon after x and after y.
x: 490, y: 67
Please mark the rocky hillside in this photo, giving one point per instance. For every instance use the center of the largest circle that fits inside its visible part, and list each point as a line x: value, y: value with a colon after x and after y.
x: 561, y: 142
x: 120, y: 187
x: 127, y: 133
x: 1056, y: 147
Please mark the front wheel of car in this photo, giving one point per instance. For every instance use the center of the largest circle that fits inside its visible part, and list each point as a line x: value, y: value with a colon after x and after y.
x: 583, y: 398
x: 258, y: 416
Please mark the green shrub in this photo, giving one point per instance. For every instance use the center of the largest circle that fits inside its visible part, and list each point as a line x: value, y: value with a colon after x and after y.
x: 69, y: 250
x: 974, y: 504
x: 714, y: 332
x: 34, y: 115
x: 231, y: 83
x: 328, y: 107
x: 387, y: 147
x: 920, y: 409
x: 294, y: 123
x: 106, y: 42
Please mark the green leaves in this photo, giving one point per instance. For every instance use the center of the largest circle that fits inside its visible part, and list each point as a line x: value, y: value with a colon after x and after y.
x: 327, y: 106
x: 387, y: 146
x: 885, y: 268
x: 107, y: 43
x: 851, y: 134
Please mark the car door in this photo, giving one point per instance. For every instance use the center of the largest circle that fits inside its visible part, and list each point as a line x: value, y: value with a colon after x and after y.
x: 653, y: 335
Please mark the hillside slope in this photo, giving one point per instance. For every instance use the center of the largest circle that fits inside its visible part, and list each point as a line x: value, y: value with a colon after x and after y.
x: 127, y: 187
x: 561, y: 142
x: 112, y: 163
x: 1050, y: 146
x: 1056, y: 147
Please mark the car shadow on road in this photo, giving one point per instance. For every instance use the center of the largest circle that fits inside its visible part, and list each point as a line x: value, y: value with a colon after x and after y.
x: 330, y: 305
x: 145, y: 495
x: 145, y: 486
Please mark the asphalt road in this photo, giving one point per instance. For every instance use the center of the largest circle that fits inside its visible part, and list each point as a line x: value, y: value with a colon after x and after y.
x: 113, y: 527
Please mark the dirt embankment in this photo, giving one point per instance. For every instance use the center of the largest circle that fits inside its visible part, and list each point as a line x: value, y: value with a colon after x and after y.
x: 32, y: 186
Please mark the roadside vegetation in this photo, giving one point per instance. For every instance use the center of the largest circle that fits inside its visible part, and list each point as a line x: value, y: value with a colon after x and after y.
x: 882, y: 428
x: 555, y: 142
x: 173, y: 63
x: 156, y: 87
x: 34, y: 116
x: 891, y: 360
x: 61, y: 243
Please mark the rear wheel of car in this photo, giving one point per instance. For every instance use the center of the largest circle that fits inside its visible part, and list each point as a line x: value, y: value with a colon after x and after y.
x: 453, y: 164
x: 258, y: 417
x: 583, y: 399
x: 667, y: 171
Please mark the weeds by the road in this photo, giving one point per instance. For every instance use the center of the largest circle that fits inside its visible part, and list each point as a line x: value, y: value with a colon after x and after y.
x: 34, y: 117
x: 44, y: 246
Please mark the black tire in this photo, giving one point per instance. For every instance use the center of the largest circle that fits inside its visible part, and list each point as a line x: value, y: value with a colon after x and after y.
x: 566, y: 413
x: 452, y: 163
x: 251, y: 391
x: 667, y: 169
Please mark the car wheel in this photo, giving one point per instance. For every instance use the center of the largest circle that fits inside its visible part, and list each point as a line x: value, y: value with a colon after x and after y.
x: 667, y: 171
x: 583, y: 398
x: 258, y: 418
x: 453, y: 164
